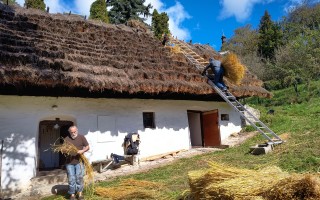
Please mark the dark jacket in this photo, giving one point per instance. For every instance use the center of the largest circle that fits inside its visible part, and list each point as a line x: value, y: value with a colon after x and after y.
x: 212, y: 64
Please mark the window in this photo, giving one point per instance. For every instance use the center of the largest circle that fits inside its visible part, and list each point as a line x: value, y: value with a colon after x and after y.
x: 224, y: 117
x: 148, y: 120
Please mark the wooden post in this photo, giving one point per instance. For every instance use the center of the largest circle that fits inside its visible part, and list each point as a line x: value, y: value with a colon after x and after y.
x: 1, y: 152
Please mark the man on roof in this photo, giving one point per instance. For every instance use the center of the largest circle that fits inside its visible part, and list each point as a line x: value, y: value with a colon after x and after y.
x: 217, y: 69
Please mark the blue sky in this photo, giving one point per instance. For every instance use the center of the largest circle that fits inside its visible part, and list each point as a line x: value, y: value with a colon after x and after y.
x: 202, y: 21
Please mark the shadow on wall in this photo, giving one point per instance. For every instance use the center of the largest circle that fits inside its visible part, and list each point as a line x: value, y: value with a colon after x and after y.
x: 15, y: 152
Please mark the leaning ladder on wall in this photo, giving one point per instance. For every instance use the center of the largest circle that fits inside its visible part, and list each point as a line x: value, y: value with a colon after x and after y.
x: 200, y: 63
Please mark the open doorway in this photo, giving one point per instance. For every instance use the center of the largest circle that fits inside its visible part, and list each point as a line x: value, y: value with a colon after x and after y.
x: 204, y: 128
x: 51, y: 132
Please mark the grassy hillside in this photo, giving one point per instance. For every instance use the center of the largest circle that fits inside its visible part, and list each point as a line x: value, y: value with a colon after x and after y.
x: 299, y: 123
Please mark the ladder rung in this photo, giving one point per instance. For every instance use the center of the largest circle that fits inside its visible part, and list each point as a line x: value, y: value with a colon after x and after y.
x: 277, y: 142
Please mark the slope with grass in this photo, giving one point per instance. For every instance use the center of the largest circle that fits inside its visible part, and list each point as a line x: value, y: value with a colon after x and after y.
x: 296, y: 118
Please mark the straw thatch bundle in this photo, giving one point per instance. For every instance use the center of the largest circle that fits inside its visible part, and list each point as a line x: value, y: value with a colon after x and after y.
x: 174, y: 49
x: 69, y: 149
x: 234, y: 70
x: 295, y: 187
x: 230, y: 183
x: 131, y: 189
x: 198, y: 180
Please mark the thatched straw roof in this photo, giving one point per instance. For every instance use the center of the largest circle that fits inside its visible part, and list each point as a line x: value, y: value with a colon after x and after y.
x: 66, y: 55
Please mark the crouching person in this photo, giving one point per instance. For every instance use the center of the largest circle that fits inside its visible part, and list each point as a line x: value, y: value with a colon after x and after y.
x: 130, y: 147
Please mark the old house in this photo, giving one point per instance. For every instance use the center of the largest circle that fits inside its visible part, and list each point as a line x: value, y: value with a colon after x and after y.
x: 109, y: 80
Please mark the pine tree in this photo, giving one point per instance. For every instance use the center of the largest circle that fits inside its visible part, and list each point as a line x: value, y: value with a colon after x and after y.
x: 37, y: 4
x: 123, y: 10
x: 160, y: 23
x: 10, y: 2
x: 98, y: 10
x: 269, y: 37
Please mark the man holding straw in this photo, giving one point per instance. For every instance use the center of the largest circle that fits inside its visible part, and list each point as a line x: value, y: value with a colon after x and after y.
x: 218, y: 71
x: 74, y: 166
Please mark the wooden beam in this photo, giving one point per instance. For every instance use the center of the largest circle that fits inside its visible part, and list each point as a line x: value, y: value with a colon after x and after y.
x: 154, y: 157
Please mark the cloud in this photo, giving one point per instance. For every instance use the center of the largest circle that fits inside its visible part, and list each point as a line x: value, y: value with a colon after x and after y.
x: 197, y: 27
x: 293, y: 4
x: 177, y: 14
x: 83, y: 7
x: 56, y: 6
x: 240, y: 9
x: 157, y: 4
x: 20, y: 2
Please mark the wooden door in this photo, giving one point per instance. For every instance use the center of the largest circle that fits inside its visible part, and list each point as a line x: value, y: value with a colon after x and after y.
x: 210, y: 128
x: 47, y: 136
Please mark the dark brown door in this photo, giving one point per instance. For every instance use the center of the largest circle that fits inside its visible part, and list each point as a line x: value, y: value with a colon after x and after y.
x: 210, y: 127
x: 51, y: 132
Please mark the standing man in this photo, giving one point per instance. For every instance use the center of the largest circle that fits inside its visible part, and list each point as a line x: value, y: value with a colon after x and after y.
x: 75, y: 169
x: 218, y: 71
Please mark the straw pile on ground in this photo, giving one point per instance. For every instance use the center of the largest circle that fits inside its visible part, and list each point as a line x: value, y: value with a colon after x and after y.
x: 69, y: 149
x: 229, y: 183
x: 132, y: 189
x: 234, y: 70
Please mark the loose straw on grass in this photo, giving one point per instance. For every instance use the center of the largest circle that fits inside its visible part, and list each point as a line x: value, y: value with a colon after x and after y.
x: 231, y: 183
x: 247, y: 183
x: 234, y: 70
x: 295, y: 187
x: 132, y: 189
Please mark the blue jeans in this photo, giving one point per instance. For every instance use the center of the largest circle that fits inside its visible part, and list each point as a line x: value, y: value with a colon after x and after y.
x: 218, y: 77
x: 75, y: 177
x: 117, y: 158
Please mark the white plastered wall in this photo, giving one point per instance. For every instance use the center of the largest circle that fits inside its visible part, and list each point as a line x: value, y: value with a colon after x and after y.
x: 104, y: 122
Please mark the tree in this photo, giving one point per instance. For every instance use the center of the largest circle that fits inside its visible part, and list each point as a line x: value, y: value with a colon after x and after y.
x: 302, y: 18
x: 10, y: 2
x: 160, y: 23
x: 270, y: 37
x: 98, y: 10
x: 243, y: 42
x: 298, y: 59
x: 37, y: 4
x: 123, y: 10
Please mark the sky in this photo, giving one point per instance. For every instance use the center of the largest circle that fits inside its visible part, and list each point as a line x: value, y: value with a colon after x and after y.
x: 201, y: 21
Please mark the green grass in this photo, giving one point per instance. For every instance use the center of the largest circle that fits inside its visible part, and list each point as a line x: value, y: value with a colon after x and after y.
x: 300, y: 153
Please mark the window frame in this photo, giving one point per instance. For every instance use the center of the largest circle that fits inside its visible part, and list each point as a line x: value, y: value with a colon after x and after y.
x: 224, y: 117
x: 148, y: 120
